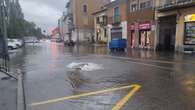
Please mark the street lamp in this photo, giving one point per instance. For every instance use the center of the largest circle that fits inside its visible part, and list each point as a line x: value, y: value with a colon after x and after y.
x: 3, y: 22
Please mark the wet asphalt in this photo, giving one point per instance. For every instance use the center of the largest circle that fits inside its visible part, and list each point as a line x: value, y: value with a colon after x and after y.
x: 167, y: 80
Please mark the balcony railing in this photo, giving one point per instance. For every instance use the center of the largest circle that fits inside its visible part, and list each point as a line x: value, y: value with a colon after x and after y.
x: 114, y: 20
x: 4, y: 63
x: 102, y: 20
x: 173, y: 4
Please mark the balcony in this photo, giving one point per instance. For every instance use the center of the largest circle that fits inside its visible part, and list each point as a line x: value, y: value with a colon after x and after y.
x: 114, y: 20
x: 175, y: 4
x: 102, y: 20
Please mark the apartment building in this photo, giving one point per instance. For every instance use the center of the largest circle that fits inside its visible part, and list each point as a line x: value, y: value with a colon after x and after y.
x: 176, y: 25
x: 83, y: 20
x: 117, y: 20
x: 141, y: 24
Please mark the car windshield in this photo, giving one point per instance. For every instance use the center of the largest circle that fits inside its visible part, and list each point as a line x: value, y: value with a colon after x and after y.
x: 97, y: 54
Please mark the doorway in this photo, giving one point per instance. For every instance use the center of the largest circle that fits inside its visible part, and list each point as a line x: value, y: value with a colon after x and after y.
x: 132, y: 39
x: 167, y: 32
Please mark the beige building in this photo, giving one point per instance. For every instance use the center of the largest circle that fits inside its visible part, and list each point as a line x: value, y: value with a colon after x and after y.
x: 176, y: 25
x: 83, y: 20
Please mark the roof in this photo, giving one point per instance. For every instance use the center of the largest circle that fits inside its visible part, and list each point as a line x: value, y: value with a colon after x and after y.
x: 99, y: 11
x: 114, y: 3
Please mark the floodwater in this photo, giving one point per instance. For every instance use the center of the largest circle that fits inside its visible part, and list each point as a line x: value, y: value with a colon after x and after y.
x: 167, y: 79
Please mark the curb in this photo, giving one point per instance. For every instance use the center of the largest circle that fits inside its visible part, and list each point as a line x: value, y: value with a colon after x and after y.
x: 21, y: 104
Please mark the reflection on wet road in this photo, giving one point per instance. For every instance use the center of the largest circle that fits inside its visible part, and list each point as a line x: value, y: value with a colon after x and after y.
x: 167, y: 80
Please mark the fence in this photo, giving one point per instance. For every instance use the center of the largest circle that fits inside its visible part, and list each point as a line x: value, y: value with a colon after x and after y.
x: 4, y: 63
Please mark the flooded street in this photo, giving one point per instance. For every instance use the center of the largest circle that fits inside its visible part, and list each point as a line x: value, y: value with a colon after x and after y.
x: 167, y: 81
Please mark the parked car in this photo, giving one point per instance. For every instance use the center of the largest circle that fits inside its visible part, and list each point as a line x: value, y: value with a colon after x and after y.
x: 18, y: 42
x: 12, y: 44
x: 58, y: 40
x: 31, y: 40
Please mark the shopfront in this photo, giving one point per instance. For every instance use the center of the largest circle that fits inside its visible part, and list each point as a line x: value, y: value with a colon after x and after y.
x: 132, y: 37
x: 140, y: 35
x: 145, y: 35
x: 189, y: 37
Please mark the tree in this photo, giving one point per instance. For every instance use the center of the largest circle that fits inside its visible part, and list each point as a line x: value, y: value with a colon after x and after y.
x: 19, y: 27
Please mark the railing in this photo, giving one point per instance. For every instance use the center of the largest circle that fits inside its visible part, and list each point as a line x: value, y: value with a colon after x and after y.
x: 115, y: 19
x: 175, y: 4
x: 4, y: 66
x: 4, y: 63
x: 102, y: 20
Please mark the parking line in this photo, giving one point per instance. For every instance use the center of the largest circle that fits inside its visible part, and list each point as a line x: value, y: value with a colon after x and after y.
x: 87, y: 94
x: 123, y: 101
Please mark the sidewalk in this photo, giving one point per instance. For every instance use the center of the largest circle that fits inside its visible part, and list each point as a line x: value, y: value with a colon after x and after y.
x: 8, y: 93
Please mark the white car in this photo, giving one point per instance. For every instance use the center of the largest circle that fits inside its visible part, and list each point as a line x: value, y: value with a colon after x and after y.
x: 11, y: 44
x: 18, y: 42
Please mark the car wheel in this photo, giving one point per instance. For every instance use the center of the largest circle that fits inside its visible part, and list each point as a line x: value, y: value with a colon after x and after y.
x: 10, y: 48
x: 18, y: 45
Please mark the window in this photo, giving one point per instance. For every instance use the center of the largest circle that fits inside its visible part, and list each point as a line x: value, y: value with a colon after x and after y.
x: 97, y: 20
x: 146, y: 4
x: 190, y: 33
x: 116, y: 11
x: 116, y: 14
x: 133, y: 7
x: 168, y: 2
x: 85, y: 10
x: 143, y: 5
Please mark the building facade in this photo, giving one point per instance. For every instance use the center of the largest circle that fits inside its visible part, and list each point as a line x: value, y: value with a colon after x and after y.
x: 83, y: 20
x: 141, y: 24
x: 61, y: 26
x: 176, y: 25
x: 117, y: 20
x: 100, y: 25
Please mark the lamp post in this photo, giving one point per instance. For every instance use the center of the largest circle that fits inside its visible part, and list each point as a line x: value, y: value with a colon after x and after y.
x: 4, y: 22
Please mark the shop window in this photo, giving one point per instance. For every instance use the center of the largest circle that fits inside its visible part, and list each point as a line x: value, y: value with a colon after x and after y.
x: 145, y: 38
x: 189, y: 33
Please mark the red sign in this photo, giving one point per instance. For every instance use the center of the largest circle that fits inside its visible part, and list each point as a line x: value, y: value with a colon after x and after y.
x: 145, y: 25
x: 140, y: 26
x: 133, y: 26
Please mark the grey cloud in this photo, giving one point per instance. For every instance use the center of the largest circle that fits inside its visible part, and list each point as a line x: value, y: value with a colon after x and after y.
x: 44, y: 13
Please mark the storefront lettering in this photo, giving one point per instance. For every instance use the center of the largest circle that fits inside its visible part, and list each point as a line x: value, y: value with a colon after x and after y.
x: 190, y: 18
x: 140, y: 26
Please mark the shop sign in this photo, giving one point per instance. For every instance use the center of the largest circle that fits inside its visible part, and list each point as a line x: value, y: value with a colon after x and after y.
x: 134, y: 26
x: 190, y: 18
x: 116, y: 30
x: 144, y: 26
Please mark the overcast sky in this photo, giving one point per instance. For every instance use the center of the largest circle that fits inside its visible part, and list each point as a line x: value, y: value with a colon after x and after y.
x: 44, y: 13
